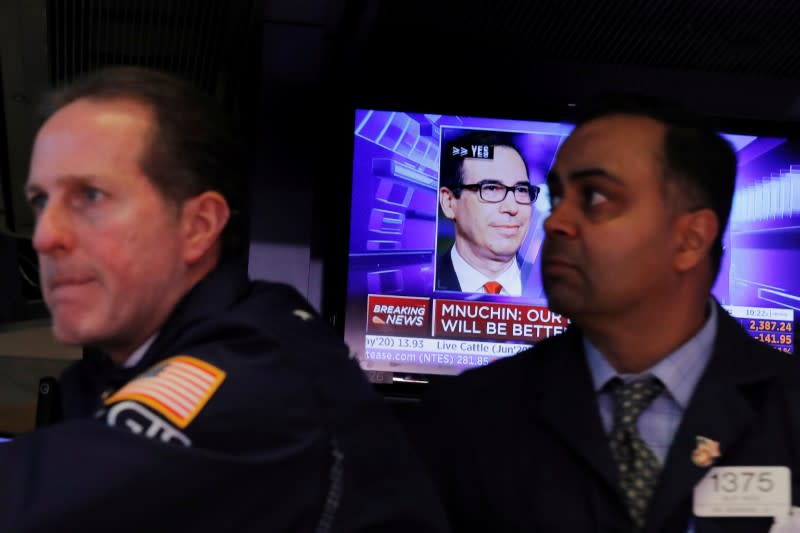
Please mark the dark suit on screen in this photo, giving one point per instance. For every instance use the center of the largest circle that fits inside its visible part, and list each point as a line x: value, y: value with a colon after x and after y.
x: 447, y: 279
x: 519, y: 445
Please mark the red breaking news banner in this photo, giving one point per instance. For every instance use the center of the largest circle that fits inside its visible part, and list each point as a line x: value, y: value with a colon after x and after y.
x: 398, y: 315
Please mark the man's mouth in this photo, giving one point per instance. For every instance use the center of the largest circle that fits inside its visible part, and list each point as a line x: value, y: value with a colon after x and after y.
x: 506, y: 229
x: 554, y: 264
x: 68, y: 281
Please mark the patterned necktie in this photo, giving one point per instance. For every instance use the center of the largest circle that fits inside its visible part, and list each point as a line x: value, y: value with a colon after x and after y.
x: 492, y: 287
x: 638, y: 467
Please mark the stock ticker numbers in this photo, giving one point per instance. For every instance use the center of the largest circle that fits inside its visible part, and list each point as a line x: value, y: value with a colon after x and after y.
x: 769, y: 325
x: 777, y: 333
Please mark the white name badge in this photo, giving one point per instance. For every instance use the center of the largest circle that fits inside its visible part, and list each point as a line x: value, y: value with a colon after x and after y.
x: 744, y: 491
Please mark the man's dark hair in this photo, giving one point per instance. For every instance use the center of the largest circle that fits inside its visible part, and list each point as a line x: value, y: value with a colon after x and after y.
x: 451, y: 169
x: 698, y: 162
x: 192, y: 149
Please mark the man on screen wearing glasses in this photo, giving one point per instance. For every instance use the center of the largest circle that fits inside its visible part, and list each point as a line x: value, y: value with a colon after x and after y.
x: 484, y: 190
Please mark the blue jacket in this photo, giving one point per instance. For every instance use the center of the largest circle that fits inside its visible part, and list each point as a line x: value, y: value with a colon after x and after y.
x: 263, y: 422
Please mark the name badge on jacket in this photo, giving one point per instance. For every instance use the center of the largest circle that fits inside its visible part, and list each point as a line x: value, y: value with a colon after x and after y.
x: 744, y: 491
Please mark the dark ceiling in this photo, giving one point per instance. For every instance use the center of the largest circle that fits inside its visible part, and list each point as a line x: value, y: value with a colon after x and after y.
x: 743, y: 37
x: 728, y: 57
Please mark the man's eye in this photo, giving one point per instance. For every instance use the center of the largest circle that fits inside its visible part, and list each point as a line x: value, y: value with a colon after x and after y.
x: 85, y: 197
x: 522, y: 189
x: 92, y: 194
x: 37, y: 202
x: 490, y: 187
x: 594, y: 197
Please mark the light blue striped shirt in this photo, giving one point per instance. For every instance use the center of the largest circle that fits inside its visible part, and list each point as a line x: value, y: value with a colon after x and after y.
x: 679, y: 372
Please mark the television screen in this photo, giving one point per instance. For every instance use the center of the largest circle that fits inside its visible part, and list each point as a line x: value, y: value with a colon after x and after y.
x: 406, y: 313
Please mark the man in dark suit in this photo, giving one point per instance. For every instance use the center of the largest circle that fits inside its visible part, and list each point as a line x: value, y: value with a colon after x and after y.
x: 611, y: 425
x: 486, y: 193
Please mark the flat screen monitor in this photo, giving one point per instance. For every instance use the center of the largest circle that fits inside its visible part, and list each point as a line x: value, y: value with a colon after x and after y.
x: 404, y: 323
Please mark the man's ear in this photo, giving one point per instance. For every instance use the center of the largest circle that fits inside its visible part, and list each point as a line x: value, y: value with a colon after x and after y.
x: 447, y: 200
x: 696, y: 232
x: 203, y: 217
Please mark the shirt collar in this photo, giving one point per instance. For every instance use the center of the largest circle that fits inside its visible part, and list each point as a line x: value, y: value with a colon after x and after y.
x: 679, y: 371
x: 472, y: 281
x: 137, y: 355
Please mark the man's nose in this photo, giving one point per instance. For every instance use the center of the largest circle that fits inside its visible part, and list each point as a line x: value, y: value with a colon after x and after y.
x: 53, y: 230
x: 509, y: 203
x: 561, y: 223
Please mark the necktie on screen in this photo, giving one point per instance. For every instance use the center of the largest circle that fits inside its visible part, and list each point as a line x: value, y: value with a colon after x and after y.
x: 492, y: 287
x: 637, y: 465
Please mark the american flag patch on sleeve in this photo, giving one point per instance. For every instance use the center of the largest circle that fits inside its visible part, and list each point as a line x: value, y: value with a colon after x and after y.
x: 177, y: 388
